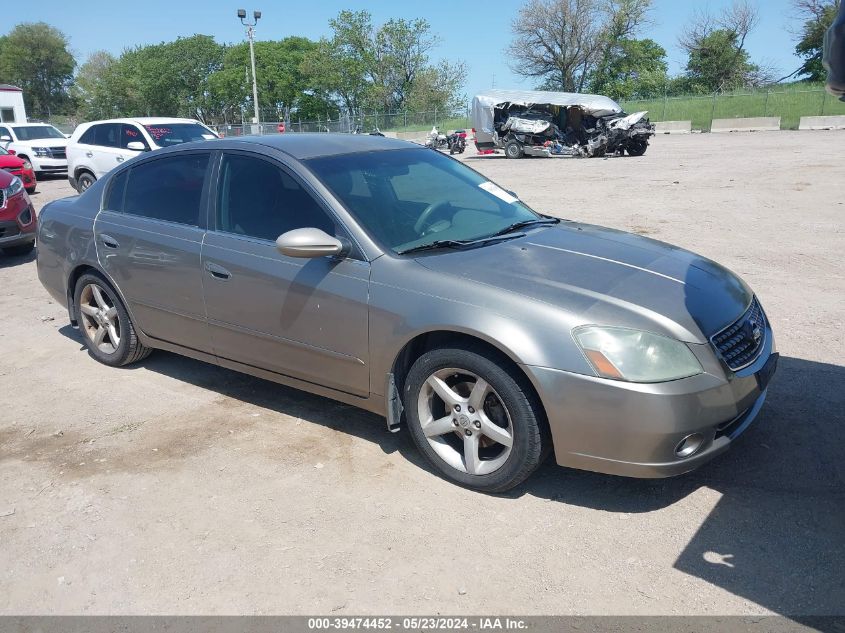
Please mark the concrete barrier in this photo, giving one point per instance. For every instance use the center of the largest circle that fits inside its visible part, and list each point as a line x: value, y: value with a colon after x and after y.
x: 822, y: 123
x: 756, y: 124
x: 673, y: 127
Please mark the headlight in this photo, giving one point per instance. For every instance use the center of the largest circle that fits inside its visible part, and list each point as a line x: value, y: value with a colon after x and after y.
x: 15, y: 187
x: 635, y: 356
x: 40, y: 151
x: 27, y: 165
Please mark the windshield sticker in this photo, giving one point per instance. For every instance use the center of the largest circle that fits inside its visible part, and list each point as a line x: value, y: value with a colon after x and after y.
x: 208, y: 137
x: 158, y: 132
x: 497, y: 191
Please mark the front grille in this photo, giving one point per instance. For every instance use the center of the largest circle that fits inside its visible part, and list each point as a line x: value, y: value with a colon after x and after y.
x: 57, y: 152
x: 740, y: 344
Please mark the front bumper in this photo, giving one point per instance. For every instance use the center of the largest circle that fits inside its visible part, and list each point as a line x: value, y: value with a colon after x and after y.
x: 634, y: 430
x: 48, y: 165
x: 18, y: 222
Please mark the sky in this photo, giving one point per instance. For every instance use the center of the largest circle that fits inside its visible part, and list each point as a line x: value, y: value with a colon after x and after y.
x: 475, y: 31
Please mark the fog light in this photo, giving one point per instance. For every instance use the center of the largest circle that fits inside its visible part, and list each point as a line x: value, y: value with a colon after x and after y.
x: 689, y: 445
x: 25, y: 218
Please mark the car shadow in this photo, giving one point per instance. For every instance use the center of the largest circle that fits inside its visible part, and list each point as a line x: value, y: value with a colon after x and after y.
x: 774, y: 538
x: 7, y: 261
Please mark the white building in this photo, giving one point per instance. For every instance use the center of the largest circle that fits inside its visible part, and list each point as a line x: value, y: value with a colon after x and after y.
x: 11, y: 104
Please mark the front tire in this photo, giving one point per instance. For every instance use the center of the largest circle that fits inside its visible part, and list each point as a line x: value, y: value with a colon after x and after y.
x: 105, y: 324
x: 84, y: 181
x: 637, y: 147
x: 477, y: 423
x: 513, y: 149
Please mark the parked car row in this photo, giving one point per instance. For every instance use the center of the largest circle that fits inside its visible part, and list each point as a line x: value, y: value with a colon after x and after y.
x: 94, y: 148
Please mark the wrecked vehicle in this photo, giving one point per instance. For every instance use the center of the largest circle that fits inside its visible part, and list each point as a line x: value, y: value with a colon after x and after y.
x: 534, y: 123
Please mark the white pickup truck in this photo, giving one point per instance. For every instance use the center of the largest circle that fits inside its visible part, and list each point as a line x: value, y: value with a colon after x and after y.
x: 40, y: 143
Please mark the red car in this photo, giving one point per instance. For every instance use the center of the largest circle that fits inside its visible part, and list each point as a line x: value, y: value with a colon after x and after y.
x: 18, y: 167
x: 17, y: 216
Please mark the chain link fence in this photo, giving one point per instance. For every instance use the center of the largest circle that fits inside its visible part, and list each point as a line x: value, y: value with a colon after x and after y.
x: 364, y: 123
x: 789, y: 105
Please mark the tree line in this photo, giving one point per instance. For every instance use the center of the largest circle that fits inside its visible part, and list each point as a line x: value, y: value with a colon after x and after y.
x: 595, y: 46
x: 569, y: 45
x: 360, y: 66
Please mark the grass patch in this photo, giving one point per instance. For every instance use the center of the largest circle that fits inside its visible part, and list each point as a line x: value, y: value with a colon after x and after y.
x: 789, y: 103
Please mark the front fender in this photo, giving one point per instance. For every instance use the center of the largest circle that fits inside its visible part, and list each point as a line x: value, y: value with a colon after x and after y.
x: 408, y: 300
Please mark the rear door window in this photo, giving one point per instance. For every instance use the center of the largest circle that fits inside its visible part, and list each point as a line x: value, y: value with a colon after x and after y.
x: 107, y: 135
x: 168, y: 189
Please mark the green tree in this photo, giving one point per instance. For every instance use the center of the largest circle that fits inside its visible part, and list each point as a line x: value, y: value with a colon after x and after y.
x: 573, y: 44
x: 284, y: 87
x: 717, y: 57
x: 388, y: 68
x: 818, y: 16
x: 635, y: 69
x: 36, y: 57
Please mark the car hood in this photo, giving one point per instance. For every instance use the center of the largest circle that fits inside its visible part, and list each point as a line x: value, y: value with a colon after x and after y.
x: 45, y: 142
x: 10, y: 162
x: 608, y: 277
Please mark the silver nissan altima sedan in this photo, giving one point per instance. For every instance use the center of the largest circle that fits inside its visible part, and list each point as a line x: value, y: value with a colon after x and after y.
x: 394, y: 278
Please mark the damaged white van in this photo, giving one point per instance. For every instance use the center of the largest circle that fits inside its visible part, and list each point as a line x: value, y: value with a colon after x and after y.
x: 535, y: 123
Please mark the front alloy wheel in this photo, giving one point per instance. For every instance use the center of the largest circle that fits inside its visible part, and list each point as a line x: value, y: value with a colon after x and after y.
x: 475, y: 417
x: 465, y: 421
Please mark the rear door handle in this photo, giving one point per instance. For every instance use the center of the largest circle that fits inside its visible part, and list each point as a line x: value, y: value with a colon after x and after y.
x: 89, y: 154
x: 218, y: 272
x: 109, y: 241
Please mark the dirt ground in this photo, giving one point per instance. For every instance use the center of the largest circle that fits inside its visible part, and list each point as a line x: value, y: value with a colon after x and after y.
x: 178, y: 487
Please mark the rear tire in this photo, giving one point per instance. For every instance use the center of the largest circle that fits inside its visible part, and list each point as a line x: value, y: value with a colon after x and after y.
x: 484, y: 407
x: 18, y: 251
x: 105, y: 324
x: 513, y: 149
x: 84, y: 181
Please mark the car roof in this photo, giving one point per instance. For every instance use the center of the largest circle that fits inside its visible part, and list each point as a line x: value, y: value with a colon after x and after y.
x: 303, y: 146
x: 142, y: 120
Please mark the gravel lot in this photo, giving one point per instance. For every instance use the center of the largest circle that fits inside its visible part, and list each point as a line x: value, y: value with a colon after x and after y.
x: 179, y: 487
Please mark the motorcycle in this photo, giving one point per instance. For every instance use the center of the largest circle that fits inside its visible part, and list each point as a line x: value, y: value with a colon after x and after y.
x: 456, y: 142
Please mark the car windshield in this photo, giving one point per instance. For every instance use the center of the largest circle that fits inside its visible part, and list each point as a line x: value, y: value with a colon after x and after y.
x: 35, y: 132
x: 413, y: 198
x: 3, y: 152
x: 167, y: 134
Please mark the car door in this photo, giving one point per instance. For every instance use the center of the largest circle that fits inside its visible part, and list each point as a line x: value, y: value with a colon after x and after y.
x: 131, y: 134
x: 304, y: 318
x: 149, y: 238
x: 106, y: 153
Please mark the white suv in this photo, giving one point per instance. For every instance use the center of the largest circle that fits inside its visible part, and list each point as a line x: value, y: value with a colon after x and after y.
x: 95, y: 148
x: 39, y: 143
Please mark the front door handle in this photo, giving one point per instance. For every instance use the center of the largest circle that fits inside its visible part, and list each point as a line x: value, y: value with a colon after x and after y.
x: 109, y: 241
x: 89, y: 154
x: 218, y: 272
x: 120, y: 159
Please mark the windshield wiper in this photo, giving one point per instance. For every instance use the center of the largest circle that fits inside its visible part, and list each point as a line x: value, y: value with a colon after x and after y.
x: 460, y: 244
x: 544, y: 221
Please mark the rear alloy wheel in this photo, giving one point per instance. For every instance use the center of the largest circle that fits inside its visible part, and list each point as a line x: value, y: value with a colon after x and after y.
x: 105, y: 324
x: 84, y: 181
x: 474, y: 421
x: 513, y: 149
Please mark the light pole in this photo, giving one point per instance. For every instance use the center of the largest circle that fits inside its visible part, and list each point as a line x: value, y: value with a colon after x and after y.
x: 250, y: 34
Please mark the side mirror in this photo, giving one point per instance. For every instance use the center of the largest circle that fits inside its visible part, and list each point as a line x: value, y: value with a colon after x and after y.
x: 309, y: 242
x: 5, y: 138
x: 136, y: 146
x: 11, y: 151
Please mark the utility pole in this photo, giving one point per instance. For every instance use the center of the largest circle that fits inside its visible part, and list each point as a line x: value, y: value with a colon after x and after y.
x: 250, y: 34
